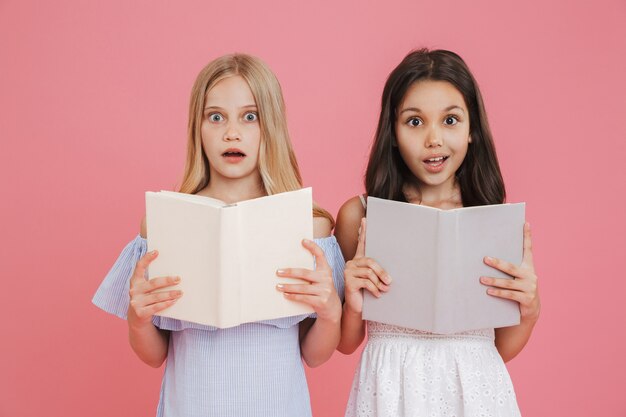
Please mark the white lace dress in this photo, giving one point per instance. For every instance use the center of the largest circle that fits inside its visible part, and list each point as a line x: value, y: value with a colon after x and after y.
x: 406, y: 373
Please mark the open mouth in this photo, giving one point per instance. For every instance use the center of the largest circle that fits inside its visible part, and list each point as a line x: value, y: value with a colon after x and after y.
x: 233, y: 153
x: 435, y: 164
x: 436, y: 161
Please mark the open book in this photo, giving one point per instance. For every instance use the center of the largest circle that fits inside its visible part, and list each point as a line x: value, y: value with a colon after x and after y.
x: 227, y: 254
x: 435, y: 258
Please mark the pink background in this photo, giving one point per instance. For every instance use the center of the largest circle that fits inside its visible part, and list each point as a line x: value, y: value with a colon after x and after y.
x: 93, y: 107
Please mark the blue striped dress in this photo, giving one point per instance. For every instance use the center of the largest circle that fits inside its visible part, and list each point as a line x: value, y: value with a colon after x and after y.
x: 254, y: 369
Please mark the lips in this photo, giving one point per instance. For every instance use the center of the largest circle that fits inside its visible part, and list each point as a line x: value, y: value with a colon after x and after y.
x: 436, y: 159
x: 435, y: 163
x: 233, y: 153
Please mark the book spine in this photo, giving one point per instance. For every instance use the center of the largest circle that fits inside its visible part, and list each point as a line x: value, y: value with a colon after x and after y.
x: 229, y: 281
x: 445, y: 275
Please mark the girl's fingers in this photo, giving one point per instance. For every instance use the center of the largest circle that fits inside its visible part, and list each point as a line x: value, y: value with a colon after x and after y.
x: 318, y: 253
x: 368, y: 274
x: 142, y: 287
x: 318, y: 302
x: 527, y: 258
x: 298, y: 289
x: 301, y: 273
x: 369, y: 285
x: 524, y: 292
x: 161, y: 282
x: 143, y: 263
x: 160, y: 296
x: 507, y: 294
x: 146, y: 300
x: 321, y: 265
x: 143, y: 300
x: 506, y: 283
x: 311, y: 300
x: 504, y: 266
x: 374, y: 266
x: 152, y: 309
x: 360, y: 247
x: 523, y: 288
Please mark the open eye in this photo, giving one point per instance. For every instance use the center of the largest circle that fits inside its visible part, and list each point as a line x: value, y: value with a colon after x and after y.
x: 414, y: 121
x: 450, y: 120
x: 251, y: 116
x: 216, y: 117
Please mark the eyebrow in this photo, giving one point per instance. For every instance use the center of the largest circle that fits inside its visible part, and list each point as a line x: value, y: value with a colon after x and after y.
x: 417, y: 110
x: 247, y: 106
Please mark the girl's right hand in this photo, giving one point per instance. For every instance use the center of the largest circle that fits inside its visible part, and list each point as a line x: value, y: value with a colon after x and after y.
x: 362, y: 272
x: 146, y: 299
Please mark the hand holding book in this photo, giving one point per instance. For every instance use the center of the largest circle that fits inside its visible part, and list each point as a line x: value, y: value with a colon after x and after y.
x: 318, y: 290
x: 147, y: 296
x: 363, y: 273
x: 523, y: 287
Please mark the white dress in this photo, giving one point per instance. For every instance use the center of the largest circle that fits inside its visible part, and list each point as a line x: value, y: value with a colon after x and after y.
x: 405, y: 373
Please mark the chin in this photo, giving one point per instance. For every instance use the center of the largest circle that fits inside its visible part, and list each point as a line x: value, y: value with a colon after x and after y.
x: 235, y: 175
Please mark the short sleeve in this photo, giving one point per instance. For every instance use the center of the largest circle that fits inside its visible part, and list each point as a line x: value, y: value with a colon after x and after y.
x: 334, y: 257
x: 112, y: 295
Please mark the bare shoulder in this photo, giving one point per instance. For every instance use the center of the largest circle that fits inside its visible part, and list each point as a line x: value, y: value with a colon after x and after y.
x: 351, y: 212
x: 321, y: 227
x: 143, y: 230
x: 322, y: 222
x: 348, y: 223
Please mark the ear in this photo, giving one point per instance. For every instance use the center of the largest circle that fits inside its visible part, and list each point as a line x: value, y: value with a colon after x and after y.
x: 469, y: 139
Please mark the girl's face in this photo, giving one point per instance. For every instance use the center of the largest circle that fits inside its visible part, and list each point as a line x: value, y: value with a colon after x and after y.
x: 231, y: 134
x: 432, y: 129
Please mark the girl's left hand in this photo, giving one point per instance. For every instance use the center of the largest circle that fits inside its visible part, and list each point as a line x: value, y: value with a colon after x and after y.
x: 523, y: 287
x: 319, y: 292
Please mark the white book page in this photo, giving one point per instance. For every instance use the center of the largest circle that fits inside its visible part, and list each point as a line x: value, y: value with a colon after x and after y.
x: 199, y: 199
x: 272, y: 229
x: 184, y: 233
x: 229, y: 302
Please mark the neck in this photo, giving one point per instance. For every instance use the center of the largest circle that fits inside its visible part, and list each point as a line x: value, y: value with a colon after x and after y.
x: 444, y: 196
x: 234, y: 190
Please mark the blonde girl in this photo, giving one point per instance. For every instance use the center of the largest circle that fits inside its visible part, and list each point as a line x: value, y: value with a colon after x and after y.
x: 238, y: 148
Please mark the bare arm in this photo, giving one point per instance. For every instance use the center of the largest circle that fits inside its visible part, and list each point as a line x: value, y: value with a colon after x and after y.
x: 318, y: 337
x: 361, y: 272
x: 511, y: 340
x: 523, y: 288
x: 347, y: 234
x: 147, y: 341
x: 347, y: 228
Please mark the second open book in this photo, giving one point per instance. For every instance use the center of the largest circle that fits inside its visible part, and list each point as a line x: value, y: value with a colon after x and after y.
x: 227, y: 254
x: 435, y: 258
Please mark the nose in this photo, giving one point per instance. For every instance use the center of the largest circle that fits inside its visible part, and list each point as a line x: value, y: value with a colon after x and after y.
x: 434, y: 137
x: 232, y: 133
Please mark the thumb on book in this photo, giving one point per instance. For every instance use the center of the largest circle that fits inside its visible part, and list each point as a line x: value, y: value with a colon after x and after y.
x: 360, y: 248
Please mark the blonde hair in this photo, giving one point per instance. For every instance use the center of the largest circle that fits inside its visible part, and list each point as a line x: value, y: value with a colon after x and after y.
x: 278, y: 166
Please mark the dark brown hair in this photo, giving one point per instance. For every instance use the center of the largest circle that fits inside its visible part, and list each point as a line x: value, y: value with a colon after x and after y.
x: 478, y: 176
